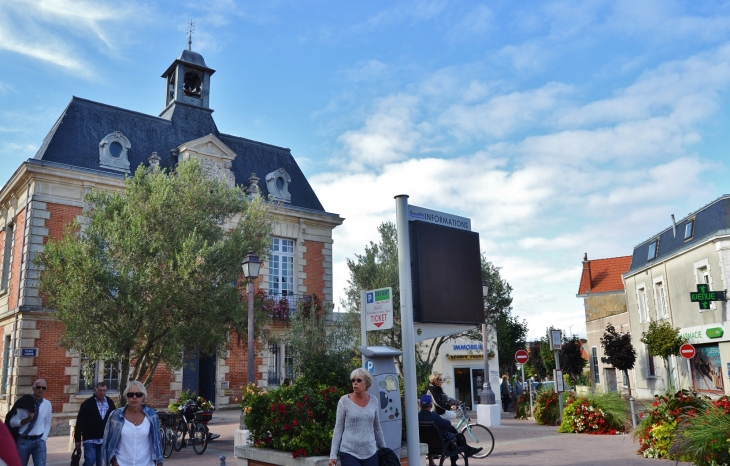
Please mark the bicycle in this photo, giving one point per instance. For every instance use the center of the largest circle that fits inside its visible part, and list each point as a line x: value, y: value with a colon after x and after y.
x: 479, y: 435
x: 191, y: 424
x: 167, y: 434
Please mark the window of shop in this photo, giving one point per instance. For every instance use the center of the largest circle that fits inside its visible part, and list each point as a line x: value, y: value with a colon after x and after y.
x: 707, y: 369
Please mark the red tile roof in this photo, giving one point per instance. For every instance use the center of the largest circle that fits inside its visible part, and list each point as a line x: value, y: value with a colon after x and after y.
x: 603, y: 275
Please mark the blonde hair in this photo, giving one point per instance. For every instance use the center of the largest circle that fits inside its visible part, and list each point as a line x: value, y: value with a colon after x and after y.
x: 363, y: 374
x: 139, y: 386
x: 432, y: 378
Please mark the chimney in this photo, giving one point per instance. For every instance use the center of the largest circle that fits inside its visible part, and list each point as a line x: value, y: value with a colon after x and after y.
x: 587, y: 272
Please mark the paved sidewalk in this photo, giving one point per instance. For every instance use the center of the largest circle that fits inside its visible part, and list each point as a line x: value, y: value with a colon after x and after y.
x: 517, y: 443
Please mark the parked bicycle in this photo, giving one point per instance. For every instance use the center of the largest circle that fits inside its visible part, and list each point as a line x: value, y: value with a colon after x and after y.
x: 476, y: 435
x: 192, y: 425
x: 167, y: 432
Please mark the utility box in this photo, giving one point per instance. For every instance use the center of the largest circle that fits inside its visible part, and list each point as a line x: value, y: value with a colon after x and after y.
x: 386, y: 389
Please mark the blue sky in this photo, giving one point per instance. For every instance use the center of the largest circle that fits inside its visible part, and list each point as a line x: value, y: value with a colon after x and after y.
x: 559, y: 128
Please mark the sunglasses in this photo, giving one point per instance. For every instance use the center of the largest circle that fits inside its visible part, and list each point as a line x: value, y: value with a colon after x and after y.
x: 135, y: 394
x: 356, y: 380
x: 439, y: 380
x: 40, y: 388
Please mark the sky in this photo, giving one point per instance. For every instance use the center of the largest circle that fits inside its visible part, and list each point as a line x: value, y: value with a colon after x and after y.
x: 558, y: 127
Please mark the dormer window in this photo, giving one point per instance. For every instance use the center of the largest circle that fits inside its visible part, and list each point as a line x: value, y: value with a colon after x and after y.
x: 653, y: 248
x: 113, y: 152
x: 689, y: 229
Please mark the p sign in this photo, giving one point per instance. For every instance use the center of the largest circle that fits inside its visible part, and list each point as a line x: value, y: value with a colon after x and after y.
x: 379, y: 309
x: 687, y: 351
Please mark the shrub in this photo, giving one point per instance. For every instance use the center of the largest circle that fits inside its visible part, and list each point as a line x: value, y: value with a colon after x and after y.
x: 522, y: 407
x: 599, y: 414
x: 703, y: 439
x: 299, y: 418
x: 546, y: 408
x: 656, y: 431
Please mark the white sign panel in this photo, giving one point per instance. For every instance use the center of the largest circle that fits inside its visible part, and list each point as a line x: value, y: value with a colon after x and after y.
x: 379, y: 309
x: 439, y: 218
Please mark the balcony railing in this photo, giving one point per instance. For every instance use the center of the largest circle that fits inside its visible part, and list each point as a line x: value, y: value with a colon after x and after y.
x: 281, y: 307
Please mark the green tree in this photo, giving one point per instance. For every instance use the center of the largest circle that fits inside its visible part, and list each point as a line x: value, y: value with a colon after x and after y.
x: 664, y: 341
x: 378, y: 268
x: 153, y: 272
x: 535, y: 364
x: 620, y: 352
x: 547, y: 355
x: 322, y: 345
x: 571, y: 358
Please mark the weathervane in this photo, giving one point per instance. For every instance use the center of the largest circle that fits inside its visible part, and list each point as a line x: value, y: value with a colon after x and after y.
x: 191, y: 31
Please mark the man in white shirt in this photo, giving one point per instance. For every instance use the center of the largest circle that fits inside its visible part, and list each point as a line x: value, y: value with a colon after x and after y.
x: 34, y: 427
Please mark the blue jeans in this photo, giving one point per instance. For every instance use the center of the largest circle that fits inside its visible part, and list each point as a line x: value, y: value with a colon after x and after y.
x: 36, y: 447
x: 92, y: 454
x: 347, y: 459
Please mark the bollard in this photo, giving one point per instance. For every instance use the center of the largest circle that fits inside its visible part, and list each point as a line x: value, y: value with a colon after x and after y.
x: 223, y: 460
x: 633, y: 411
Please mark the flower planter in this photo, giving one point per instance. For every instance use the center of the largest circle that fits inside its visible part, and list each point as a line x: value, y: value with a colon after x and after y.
x: 250, y: 456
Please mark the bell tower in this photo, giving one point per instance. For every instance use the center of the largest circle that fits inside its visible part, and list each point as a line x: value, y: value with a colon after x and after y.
x: 187, y: 80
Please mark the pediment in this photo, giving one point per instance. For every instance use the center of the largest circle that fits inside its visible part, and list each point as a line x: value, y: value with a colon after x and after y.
x: 213, y: 154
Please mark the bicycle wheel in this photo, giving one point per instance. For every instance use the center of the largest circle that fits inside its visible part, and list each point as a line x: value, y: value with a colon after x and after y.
x: 479, y: 436
x: 179, y: 438
x: 167, y: 439
x: 199, y: 438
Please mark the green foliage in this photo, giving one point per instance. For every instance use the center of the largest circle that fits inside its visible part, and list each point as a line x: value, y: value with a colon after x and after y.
x: 663, y: 340
x: 149, y: 276
x: 186, y: 395
x: 535, y: 366
x: 547, y: 408
x: 322, y: 345
x: 618, y: 348
x: 656, y: 431
x: 522, y: 407
x: 705, y: 439
x: 547, y: 355
x: 299, y: 418
x: 571, y: 358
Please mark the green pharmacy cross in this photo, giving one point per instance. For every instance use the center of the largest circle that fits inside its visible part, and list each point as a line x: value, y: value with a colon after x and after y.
x: 704, y: 296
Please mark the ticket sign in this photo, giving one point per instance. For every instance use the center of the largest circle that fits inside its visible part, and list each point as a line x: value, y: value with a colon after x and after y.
x: 379, y: 309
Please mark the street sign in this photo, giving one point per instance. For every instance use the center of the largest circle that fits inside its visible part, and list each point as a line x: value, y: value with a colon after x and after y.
x: 521, y: 356
x: 687, y: 351
x: 379, y: 309
x: 26, y: 352
x: 704, y: 296
x: 556, y: 340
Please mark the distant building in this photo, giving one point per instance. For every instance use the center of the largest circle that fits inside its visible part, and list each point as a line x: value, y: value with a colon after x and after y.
x: 604, y: 299
x: 94, y: 146
x: 690, y: 255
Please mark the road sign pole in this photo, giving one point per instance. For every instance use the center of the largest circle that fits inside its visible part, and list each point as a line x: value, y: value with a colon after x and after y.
x: 363, y: 323
x: 689, y: 374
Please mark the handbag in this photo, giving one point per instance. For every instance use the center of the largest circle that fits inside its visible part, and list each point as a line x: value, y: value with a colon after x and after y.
x: 387, y: 457
x: 75, y: 457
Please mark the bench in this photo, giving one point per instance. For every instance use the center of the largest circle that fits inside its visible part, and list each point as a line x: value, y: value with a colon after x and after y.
x: 439, y: 445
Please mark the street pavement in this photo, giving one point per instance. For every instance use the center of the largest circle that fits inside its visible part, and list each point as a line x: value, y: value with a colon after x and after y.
x: 517, y: 443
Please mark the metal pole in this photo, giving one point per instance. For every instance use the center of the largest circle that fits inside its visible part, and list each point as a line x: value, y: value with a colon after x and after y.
x: 250, y: 334
x: 689, y: 374
x: 487, y: 396
x: 560, y: 394
x: 363, y: 332
x: 532, y: 411
x: 633, y: 412
x: 409, y: 341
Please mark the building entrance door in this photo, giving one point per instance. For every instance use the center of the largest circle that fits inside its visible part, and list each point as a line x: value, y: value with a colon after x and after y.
x: 468, y: 384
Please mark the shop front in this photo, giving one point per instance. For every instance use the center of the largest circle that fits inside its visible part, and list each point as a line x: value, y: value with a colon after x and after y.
x: 712, y: 353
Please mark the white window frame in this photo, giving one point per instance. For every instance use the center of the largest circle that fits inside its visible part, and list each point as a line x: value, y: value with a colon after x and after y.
x: 649, y: 255
x: 642, y: 303
x: 661, y: 299
x: 702, y: 273
x: 691, y: 226
x: 99, y: 368
x: 281, y: 261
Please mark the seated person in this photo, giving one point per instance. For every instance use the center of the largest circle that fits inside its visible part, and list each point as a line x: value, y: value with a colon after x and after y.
x: 427, y: 415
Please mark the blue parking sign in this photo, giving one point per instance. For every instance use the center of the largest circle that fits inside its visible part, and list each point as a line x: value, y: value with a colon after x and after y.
x: 370, y: 366
x: 370, y: 297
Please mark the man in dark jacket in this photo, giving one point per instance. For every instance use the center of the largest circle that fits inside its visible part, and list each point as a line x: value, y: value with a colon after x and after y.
x: 90, y: 423
x: 25, y: 402
x: 427, y: 415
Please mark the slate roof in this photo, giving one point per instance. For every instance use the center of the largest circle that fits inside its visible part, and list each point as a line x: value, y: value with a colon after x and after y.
x: 710, y: 220
x: 74, y: 141
x: 604, y: 275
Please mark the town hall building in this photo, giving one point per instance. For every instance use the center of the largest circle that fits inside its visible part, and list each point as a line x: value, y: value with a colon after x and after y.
x: 95, y: 146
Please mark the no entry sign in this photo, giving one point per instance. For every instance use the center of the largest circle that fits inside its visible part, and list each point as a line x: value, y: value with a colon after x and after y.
x: 521, y: 356
x: 687, y: 351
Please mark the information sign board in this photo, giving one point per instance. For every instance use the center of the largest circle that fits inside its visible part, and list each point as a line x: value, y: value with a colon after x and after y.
x: 379, y: 309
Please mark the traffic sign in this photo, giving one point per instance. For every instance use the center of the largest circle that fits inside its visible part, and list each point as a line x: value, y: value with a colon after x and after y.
x: 521, y: 356
x: 687, y: 351
x: 379, y: 309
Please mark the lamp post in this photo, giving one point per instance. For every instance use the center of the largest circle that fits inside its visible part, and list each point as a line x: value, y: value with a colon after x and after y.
x: 487, y: 395
x: 251, y: 266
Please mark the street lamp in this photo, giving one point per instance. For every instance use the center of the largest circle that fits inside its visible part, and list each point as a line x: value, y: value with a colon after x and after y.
x: 487, y: 395
x: 251, y: 266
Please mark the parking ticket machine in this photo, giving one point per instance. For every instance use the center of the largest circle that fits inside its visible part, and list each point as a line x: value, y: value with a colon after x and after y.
x: 386, y: 389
